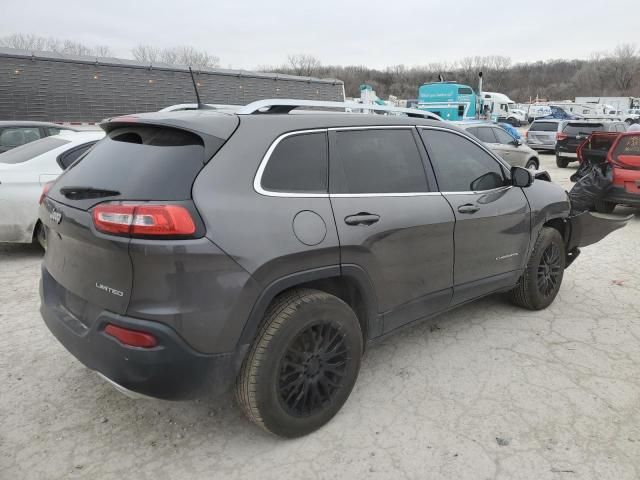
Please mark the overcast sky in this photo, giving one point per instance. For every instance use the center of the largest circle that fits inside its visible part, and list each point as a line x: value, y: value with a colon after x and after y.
x: 250, y: 33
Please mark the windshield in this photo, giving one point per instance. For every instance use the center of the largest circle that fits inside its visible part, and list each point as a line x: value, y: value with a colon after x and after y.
x: 31, y: 150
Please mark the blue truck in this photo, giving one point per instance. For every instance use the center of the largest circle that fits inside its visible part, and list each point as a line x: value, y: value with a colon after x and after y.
x: 449, y: 100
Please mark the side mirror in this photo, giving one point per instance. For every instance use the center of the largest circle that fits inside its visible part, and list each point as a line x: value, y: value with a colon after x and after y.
x: 521, y: 177
x: 517, y: 142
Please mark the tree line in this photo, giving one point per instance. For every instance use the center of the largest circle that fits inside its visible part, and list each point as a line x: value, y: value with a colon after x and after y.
x: 615, y: 73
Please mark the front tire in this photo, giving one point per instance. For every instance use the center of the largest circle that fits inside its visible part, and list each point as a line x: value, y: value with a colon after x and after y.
x: 303, y: 363
x: 562, y: 162
x: 532, y: 164
x: 541, y: 280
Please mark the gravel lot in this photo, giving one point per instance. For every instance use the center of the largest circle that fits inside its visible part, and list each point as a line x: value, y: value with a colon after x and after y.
x: 488, y: 391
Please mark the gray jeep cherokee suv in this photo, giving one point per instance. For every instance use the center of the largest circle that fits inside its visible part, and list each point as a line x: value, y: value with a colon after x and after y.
x: 190, y: 252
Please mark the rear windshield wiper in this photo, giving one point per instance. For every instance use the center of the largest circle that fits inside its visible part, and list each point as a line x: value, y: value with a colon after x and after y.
x: 79, y: 193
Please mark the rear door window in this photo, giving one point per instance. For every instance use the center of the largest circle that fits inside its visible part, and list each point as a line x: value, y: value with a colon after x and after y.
x: 485, y: 134
x: 298, y: 164
x: 31, y: 150
x: 376, y: 161
x: 461, y: 165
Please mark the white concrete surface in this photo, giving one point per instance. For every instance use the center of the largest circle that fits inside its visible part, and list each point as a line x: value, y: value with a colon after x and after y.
x: 488, y: 391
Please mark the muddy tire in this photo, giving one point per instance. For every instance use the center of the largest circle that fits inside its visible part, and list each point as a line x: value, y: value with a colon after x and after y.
x: 541, y: 280
x: 562, y: 162
x: 302, y: 365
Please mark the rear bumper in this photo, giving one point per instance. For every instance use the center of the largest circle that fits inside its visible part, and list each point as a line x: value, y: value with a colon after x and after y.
x: 172, y: 370
x: 566, y: 154
x: 541, y: 146
x: 620, y: 196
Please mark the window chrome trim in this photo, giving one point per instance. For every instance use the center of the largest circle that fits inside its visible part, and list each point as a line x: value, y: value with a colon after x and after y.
x: 373, y: 127
x: 366, y: 195
x: 471, y: 139
x: 257, y: 181
x: 503, y: 163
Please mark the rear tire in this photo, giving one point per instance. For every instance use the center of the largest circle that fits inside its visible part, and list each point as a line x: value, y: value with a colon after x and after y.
x: 40, y: 236
x: 562, y: 162
x: 302, y: 365
x: 541, y: 280
x: 533, y: 164
x: 603, y: 206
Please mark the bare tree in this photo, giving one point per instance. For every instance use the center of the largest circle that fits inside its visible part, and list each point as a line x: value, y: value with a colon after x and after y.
x: 303, y: 64
x: 49, y: 44
x: 102, y: 51
x: 181, y: 55
x: 624, y: 65
x: 146, y: 53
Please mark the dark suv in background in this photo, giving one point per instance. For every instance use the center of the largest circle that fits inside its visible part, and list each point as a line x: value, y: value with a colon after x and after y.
x: 572, y: 133
x: 191, y: 251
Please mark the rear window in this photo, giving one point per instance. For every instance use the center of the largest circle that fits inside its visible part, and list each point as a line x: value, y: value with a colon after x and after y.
x: 299, y: 163
x: 543, y: 127
x: 582, y: 128
x: 629, y: 145
x: 31, y: 150
x: 142, y: 163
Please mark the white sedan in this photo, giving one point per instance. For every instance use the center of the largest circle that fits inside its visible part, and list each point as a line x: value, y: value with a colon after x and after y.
x: 23, y: 173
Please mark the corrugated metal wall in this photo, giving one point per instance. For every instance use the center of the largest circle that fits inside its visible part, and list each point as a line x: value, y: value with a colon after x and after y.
x: 59, y: 89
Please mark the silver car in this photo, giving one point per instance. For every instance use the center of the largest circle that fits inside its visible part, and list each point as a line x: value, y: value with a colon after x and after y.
x: 542, y: 134
x: 511, y: 149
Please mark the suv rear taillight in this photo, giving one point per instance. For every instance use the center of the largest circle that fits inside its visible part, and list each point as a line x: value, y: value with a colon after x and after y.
x: 561, y: 136
x: 141, y: 220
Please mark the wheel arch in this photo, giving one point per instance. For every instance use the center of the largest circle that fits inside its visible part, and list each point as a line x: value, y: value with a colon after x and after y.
x: 350, y: 283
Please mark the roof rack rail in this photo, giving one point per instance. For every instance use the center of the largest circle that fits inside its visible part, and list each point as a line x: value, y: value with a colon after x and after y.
x: 278, y: 105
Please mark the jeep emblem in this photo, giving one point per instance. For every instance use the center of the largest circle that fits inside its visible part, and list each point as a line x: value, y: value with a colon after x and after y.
x: 55, y: 216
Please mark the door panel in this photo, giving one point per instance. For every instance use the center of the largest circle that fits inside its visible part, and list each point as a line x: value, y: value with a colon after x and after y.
x: 492, y: 239
x: 492, y: 219
x: 388, y: 221
x: 408, y: 252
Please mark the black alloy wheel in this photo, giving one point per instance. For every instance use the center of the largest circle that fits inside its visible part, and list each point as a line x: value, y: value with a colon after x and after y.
x: 312, y: 369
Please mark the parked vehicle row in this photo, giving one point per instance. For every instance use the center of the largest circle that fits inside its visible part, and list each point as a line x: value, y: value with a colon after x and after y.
x: 564, y: 136
x: 191, y: 252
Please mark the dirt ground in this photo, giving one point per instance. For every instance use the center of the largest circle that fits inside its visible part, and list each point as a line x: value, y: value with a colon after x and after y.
x: 488, y: 391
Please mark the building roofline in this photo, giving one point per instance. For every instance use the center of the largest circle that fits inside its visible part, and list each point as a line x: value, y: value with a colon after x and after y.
x: 127, y: 63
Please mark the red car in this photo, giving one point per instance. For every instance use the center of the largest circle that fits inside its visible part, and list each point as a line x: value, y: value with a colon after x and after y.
x: 622, y: 152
